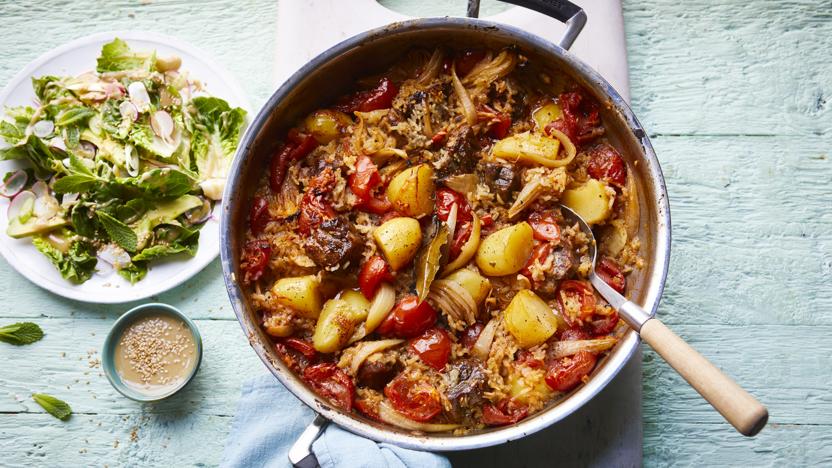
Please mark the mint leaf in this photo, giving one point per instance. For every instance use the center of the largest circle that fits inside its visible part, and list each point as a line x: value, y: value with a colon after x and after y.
x: 21, y: 333
x: 74, y: 114
x: 76, y: 183
x: 119, y: 232
x: 58, y: 408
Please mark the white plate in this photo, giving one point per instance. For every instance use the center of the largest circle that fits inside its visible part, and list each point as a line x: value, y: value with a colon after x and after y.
x: 77, y: 57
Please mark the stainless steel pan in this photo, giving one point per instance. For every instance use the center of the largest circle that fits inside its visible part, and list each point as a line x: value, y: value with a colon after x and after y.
x: 333, y: 73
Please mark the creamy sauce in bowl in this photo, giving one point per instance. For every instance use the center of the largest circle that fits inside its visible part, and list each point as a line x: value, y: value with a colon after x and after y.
x: 155, y: 354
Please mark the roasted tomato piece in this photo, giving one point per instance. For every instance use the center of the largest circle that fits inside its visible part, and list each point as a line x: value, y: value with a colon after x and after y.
x: 255, y: 260
x: 365, y: 178
x: 259, y: 216
x: 577, y: 300
x: 506, y: 412
x: 604, y: 325
x: 610, y: 272
x: 376, y: 205
x: 367, y: 408
x: 574, y: 333
x: 433, y: 347
x: 605, y: 163
x: 373, y: 272
x: 408, y: 319
x: 545, y: 226
x: 466, y: 61
x: 418, y: 400
x: 438, y: 139
x: 540, y: 251
x: 470, y: 334
x: 463, y: 232
x: 445, y: 199
x: 291, y: 357
x: 380, y: 97
x: 332, y: 383
x: 301, y: 346
x: 500, y: 126
x: 566, y: 373
x: 581, y: 120
x: 314, y: 209
x: 296, y: 148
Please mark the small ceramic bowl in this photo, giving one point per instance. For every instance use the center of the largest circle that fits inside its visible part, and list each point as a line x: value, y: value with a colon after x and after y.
x: 108, y: 354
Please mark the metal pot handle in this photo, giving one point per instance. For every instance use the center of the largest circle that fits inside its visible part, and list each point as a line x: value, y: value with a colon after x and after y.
x: 301, y: 455
x: 562, y: 10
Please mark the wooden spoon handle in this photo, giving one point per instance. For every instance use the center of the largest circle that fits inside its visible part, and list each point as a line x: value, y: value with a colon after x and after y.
x: 736, y: 405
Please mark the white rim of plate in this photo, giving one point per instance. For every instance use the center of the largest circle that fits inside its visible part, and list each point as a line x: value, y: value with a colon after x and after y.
x: 26, y: 73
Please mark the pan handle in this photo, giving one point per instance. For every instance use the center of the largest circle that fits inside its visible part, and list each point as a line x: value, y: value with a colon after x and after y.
x: 300, y: 455
x: 562, y: 10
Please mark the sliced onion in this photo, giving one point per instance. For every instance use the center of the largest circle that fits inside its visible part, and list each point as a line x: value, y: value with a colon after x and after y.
x: 40, y: 189
x: 138, y: 95
x: 114, y: 255
x: 632, y: 213
x: 131, y: 160
x: 432, y: 68
x: 382, y: 304
x: 13, y: 183
x: 21, y: 206
x: 530, y: 192
x: 452, y: 221
x: 367, y: 349
x: 389, y: 415
x: 464, y: 99
x: 462, y: 183
x: 568, y: 147
x: 568, y: 348
x: 59, y: 242
x: 162, y: 124
x: 128, y: 110
x: 454, y: 300
x: 482, y: 347
x: 43, y: 128
x: 469, y: 249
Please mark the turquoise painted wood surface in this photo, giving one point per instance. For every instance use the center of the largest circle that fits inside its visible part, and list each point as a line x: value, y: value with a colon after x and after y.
x: 737, y: 99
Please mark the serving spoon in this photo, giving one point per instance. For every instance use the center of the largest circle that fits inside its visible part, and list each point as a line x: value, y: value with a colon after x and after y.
x: 736, y: 405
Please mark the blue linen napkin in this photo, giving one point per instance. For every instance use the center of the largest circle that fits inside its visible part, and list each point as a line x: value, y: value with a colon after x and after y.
x: 269, y: 419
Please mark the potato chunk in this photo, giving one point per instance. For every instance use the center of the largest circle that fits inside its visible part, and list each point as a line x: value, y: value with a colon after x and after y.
x: 337, y: 322
x: 592, y: 201
x: 325, y: 125
x: 505, y: 251
x: 411, y: 191
x: 529, y: 319
x: 399, y: 240
x: 545, y: 115
x: 299, y: 293
x: 529, y: 148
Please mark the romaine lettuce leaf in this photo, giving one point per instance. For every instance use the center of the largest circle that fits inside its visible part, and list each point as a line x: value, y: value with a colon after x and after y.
x: 34, y: 150
x: 14, y: 131
x: 117, y: 56
x: 216, y: 130
x: 77, y: 264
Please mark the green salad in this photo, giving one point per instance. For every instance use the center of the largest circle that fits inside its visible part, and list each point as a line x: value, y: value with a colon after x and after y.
x: 126, y: 163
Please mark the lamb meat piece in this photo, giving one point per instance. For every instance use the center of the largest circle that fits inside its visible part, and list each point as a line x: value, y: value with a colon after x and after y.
x: 501, y: 179
x: 333, y: 244
x: 466, y: 387
x: 375, y: 374
x: 463, y: 147
x: 564, y: 264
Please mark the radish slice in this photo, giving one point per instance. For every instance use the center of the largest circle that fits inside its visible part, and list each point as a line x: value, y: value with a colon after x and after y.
x: 128, y: 110
x: 131, y: 160
x: 13, y: 183
x: 46, y: 207
x: 114, y: 255
x: 199, y: 214
x: 40, y: 189
x: 138, y: 95
x: 58, y: 143
x: 22, y: 206
x: 162, y: 124
x: 43, y: 128
x: 88, y: 148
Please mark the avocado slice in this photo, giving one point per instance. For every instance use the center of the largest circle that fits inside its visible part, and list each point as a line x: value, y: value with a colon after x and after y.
x: 164, y: 213
x: 34, y: 226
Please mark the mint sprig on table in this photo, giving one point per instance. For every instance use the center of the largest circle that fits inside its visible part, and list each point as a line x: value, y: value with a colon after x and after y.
x: 58, y: 408
x: 21, y: 333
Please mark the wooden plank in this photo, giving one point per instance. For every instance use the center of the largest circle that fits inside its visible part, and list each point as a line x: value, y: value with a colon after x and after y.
x: 695, y: 444
x: 139, y: 439
x: 739, y: 68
